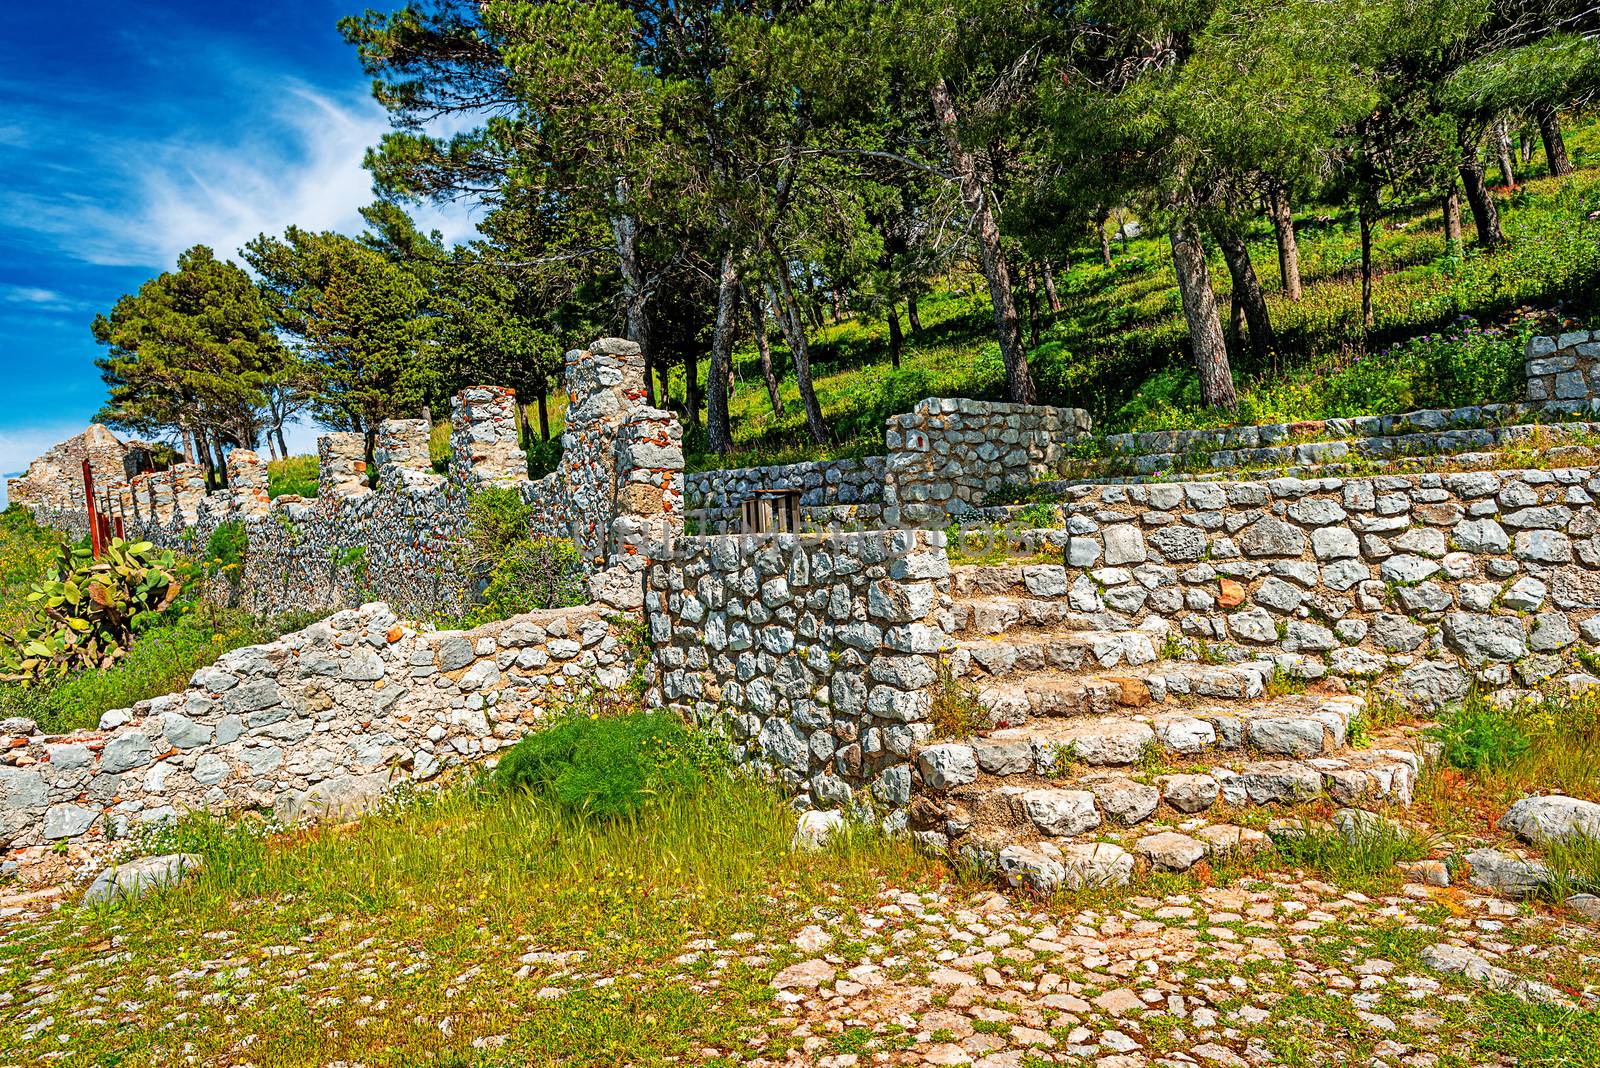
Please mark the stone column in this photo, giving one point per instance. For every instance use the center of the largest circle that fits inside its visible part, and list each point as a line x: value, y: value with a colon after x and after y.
x: 342, y: 465
x: 247, y: 478
x: 484, y: 450
x: 402, y: 447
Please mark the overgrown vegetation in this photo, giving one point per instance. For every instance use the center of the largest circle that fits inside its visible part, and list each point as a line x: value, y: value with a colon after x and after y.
x: 86, y: 610
x: 160, y: 647
x: 1546, y: 744
x: 517, y: 572
x: 611, y: 766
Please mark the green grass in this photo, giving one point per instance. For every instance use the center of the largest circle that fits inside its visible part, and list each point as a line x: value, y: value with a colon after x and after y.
x: 402, y: 938
x: 26, y: 550
x: 1546, y: 744
x: 1119, y: 346
x: 297, y: 475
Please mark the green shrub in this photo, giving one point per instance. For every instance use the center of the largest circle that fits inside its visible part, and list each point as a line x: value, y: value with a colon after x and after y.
x: 534, y: 574
x: 1479, y: 736
x: 226, y: 547
x: 608, y: 767
x: 497, y: 518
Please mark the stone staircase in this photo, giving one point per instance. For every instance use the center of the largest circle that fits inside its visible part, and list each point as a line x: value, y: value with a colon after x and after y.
x: 1102, y: 754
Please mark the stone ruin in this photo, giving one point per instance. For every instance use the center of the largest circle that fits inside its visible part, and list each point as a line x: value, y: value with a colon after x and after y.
x: 1132, y: 621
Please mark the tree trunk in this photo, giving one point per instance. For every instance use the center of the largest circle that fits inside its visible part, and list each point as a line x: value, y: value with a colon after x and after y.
x: 635, y: 296
x: 1525, y: 143
x: 1365, y: 215
x: 1452, y: 219
x: 1247, y: 295
x: 1501, y: 139
x: 1484, y: 216
x: 794, y: 331
x: 1555, y: 149
x: 283, y: 446
x: 719, y: 435
x: 1105, y: 239
x: 222, y: 458
x: 758, y: 325
x: 202, y: 446
x: 1288, y: 249
x: 1200, y: 310
x: 1033, y: 307
x: 691, y: 386
x: 544, y: 411
x: 896, y: 340
x: 1050, y: 293
x: 1019, y: 381
x: 911, y: 314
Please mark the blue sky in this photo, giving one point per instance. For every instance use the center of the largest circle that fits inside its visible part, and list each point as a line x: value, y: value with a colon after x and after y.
x: 129, y: 132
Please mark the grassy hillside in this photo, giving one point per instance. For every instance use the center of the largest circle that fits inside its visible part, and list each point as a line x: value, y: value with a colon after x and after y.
x: 1448, y: 328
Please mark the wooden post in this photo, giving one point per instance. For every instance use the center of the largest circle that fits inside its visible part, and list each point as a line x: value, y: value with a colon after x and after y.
x: 94, y: 518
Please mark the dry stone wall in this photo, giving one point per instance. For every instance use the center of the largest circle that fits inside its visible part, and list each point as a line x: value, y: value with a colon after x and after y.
x: 816, y: 654
x: 1564, y: 369
x: 715, y: 497
x: 1436, y: 579
x: 947, y: 456
x: 320, y: 721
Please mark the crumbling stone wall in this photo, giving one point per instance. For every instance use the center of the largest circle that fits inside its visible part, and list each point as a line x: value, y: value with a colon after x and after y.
x: 946, y: 456
x: 52, y: 487
x: 618, y: 491
x: 325, y: 719
x: 816, y: 653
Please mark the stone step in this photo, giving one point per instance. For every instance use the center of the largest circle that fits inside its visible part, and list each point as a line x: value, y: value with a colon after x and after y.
x: 1000, y: 656
x: 978, y: 616
x: 1113, y: 737
x: 1022, y: 695
x: 1103, y: 804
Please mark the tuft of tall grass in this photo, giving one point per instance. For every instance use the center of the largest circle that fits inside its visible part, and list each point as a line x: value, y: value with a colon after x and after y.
x: 1363, y: 851
x: 1547, y: 744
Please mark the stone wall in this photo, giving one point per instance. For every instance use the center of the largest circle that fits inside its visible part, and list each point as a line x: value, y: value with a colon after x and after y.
x: 1439, y: 578
x: 397, y: 537
x: 946, y: 456
x: 816, y: 653
x: 325, y: 718
x: 714, y: 497
x: 1565, y: 368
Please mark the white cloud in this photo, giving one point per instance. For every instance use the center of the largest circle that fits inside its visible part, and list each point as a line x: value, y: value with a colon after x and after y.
x: 297, y: 163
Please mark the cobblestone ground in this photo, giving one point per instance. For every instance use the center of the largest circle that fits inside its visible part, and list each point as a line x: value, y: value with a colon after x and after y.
x: 1278, y: 970
x: 1273, y: 969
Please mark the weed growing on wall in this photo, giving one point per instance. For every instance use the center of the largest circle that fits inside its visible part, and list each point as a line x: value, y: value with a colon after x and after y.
x: 516, y: 572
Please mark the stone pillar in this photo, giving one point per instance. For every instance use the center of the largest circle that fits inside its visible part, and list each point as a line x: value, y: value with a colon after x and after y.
x: 247, y: 477
x: 605, y: 384
x: 402, y: 446
x: 342, y: 465
x: 188, y: 490
x: 484, y: 450
x: 648, y: 506
x: 163, y: 498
